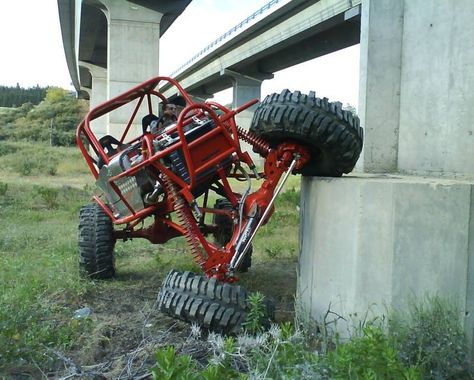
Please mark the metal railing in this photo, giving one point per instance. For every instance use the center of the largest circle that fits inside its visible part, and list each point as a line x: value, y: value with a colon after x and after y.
x: 219, y: 41
x: 335, y: 8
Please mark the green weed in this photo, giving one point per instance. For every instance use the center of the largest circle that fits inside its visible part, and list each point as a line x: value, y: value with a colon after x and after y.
x: 48, y: 195
x: 170, y: 366
x: 39, y: 286
x: 3, y: 189
x: 6, y: 148
x: 370, y: 356
x: 429, y: 335
x: 256, y: 316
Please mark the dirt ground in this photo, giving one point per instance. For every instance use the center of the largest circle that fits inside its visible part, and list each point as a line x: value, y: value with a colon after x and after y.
x: 128, y: 329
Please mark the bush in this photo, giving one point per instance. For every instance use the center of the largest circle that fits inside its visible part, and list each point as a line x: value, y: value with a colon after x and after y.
x: 36, y: 160
x: 290, y: 197
x: 25, y: 166
x: 370, y: 356
x: 3, y: 189
x: 6, y: 149
x: 284, y: 353
x: 430, y: 335
x: 170, y: 366
x: 48, y: 195
x: 256, y: 317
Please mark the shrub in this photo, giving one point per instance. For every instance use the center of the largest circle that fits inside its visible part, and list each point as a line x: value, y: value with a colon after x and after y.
x: 3, y: 189
x: 284, y: 353
x: 6, y: 149
x: 257, y: 313
x: 170, y: 366
x: 430, y: 335
x: 48, y: 195
x: 370, y: 356
x: 26, y: 166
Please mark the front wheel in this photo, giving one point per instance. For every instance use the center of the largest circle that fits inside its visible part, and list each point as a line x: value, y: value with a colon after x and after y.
x: 333, y: 135
x: 96, y: 243
x: 213, y: 305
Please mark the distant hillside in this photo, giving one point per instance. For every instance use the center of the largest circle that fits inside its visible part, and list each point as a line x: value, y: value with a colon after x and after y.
x: 53, y: 120
x: 16, y: 96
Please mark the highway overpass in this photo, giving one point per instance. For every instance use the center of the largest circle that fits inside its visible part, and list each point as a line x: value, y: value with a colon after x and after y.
x: 281, y: 34
x: 286, y: 33
x: 105, y: 42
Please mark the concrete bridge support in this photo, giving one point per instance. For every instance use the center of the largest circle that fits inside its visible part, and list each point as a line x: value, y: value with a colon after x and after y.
x: 244, y: 89
x: 97, y: 94
x: 404, y: 226
x: 133, y: 36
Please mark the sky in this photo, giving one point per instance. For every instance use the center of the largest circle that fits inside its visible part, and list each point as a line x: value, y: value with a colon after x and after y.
x: 32, y: 51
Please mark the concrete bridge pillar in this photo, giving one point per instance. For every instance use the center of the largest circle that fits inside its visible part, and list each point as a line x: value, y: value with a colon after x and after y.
x: 244, y: 89
x: 133, y: 35
x: 404, y: 226
x: 97, y: 94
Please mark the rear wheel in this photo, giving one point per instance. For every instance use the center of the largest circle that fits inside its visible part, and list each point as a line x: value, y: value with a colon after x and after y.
x: 333, y: 135
x: 225, y: 230
x: 96, y: 243
x: 214, y: 305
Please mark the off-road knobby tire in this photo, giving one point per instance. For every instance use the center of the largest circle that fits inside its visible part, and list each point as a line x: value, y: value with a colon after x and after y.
x: 213, y: 305
x: 333, y: 135
x: 96, y: 243
x: 224, y: 232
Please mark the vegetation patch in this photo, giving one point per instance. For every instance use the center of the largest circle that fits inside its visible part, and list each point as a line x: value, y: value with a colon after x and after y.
x: 53, y: 119
x: 124, y: 335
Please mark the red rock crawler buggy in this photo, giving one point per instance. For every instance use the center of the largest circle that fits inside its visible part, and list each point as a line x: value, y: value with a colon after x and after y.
x: 166, y: 179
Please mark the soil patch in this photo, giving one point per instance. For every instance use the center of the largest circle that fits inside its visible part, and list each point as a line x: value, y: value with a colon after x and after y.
x: 128, y: 329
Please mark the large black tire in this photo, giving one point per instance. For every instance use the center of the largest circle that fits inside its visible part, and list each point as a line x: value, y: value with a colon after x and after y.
x: 224, y: 232
x: 96, y: 243
x: 213, y: 305
x: 333, y: 135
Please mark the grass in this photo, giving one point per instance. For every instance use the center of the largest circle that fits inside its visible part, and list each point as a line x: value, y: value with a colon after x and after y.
x: 41, y: 192
x: 38, y: 280
x: 40, y: 289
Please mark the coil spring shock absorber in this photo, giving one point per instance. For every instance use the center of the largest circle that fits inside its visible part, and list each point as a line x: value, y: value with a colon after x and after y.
x: 260, y: 145
x: 186, y: 219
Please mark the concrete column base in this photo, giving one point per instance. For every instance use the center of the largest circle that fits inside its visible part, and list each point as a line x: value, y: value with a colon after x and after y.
x: 375, y: 242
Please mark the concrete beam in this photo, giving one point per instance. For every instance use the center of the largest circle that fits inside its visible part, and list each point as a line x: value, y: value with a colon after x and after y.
x: 436, y: 113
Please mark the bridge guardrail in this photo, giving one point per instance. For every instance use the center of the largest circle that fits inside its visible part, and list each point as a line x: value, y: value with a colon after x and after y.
x: 247, y: 22
x: 251, y: 20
